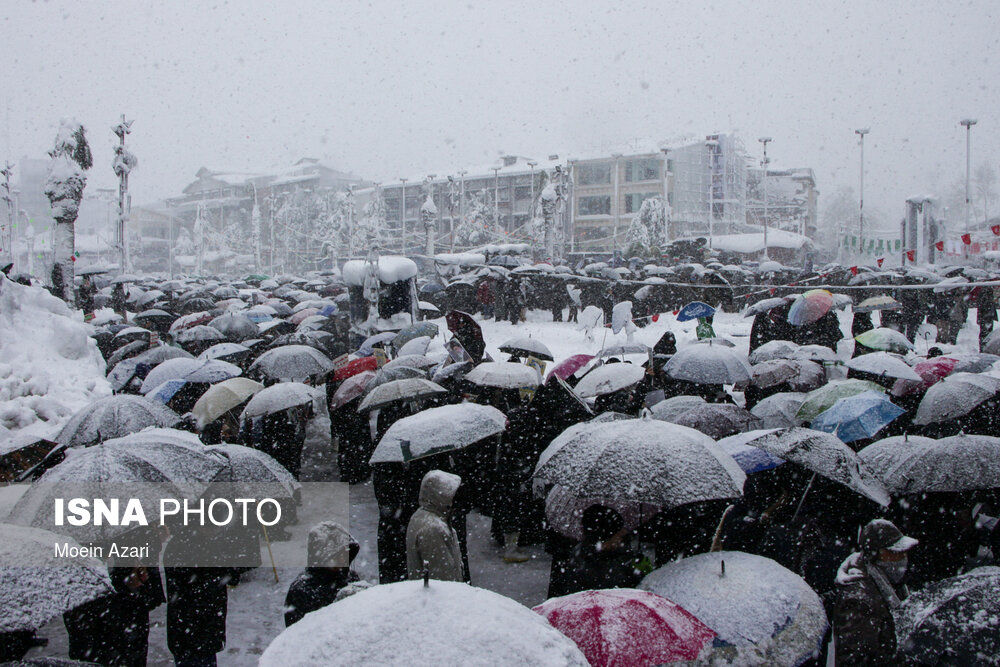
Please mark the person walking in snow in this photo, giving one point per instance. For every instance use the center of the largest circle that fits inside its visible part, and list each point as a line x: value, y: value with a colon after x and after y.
x: 331, y: 552
x: 870, y: 588
x: 431, y: 542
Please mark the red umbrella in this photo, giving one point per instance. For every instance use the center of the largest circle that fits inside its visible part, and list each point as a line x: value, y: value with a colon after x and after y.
x: 932, y: 371
x: 565, y: 368
x: 628, y: 628
x: 352, y: 387
x: 355, y: 367
x: 302, y: 314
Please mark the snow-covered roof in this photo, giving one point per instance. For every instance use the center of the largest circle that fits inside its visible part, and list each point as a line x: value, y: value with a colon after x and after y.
x: 504, y: 249
x: 754, y: 242
x: 391, y: 269
x: 460, y: 258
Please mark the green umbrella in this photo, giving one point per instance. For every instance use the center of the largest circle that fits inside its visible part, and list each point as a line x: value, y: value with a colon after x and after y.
x: 888, y: 340
x: 822, y: 399
x: 259, y: 277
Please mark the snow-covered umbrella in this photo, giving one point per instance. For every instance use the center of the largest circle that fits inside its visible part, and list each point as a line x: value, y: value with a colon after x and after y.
x: 408, y: 623
x: 641, y: 460
x: 957, y: 463
x: 799, y: 375
x: 299, y: 316
x: 623, y: 349
x: 766, y: 305
x: 350, y: 389
x: 608, y: 379
x: 750, y: 459
x: 411, y: 389
x: 155, y: 318
x: 149, y: 297
x: 564, y: 511
x: 165, y: 391
x: 416, y: 346
x: 222, y: 397
x: 412, y: 361
x: 257, y: 474
x: 36, y: 585
x: 503, y: 375
x: 114, y: 417
x: 125, y: 278
x: 384, y: 375
x: 952, y: 283
x: 438, y: 430
x: 883, y: 455
x: 773, y: 349
x: 235, y: 327
x: 368, y: 346
x: 127, y: 351
x: 199, y: 333
x: 884, y: 364
x: 955, y: 396
x: 822, y: 399
x: 708, y: 364
x: 882, y: 338
x: 294, y: 362
x: 231, y: 352
x: 809, y: 307
x: 881, y: 302
x: 615, y: 627
x: 764, y: 613
x: 825, y: 455
x: 952, y: 621
x: 717, y: 420
x: 455, y: 371
x: 973, y: 362
x: 670, y: 409
x: 133, y: 333
x: 192, y: 370
x: 523, y: 346
x: 191, y: 320
x: 278, y: 397
x: 778, y: 410
x: 818, y: 353
x: 406, y: 334
x: 857, y: 417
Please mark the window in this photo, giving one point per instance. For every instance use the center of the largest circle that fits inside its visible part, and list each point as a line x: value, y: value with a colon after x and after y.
x: 647, y: 169
x: 593, y: 174
x: 522, y: 192
x: 633, y: 202
x: 595, y: 205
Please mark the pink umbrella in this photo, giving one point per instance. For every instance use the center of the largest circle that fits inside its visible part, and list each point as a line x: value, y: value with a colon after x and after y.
x: 565, y: 368
x: 352, y: 387
x: 302, y: 314
x: 932, y: 371
x: 625, y: 627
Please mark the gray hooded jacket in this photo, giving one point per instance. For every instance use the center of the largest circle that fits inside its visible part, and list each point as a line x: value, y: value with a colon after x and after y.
x: 429, y: 536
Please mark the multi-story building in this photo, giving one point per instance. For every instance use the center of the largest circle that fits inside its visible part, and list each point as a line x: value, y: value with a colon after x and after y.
x: 709, y: 180
x: 791, y: 199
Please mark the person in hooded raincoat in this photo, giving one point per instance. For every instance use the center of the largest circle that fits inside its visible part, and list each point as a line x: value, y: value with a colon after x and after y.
x: 431, y: 542
x: 331, y: 552
x: 870, y: 587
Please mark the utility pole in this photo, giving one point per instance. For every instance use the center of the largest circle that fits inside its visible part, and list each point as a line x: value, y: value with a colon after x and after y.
x: 7, y: 238
x: 402, y: 219
x: 764, y: 163
x: 967, y: 123
x: 496, y: 197
x: 861, y: 132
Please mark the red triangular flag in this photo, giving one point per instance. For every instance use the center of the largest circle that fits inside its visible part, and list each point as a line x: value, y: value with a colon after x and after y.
x: 911, y: 255
x: 771, y: 291
x: 879, y: 261
x: 995, y: 229
x: 854, y: 270
x: 676, y: 311
x: 656, y: 317
x: 940, y: 245
x: 966, y: 239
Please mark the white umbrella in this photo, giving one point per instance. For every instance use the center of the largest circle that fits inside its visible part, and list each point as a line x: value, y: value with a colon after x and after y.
x: 774, y: 349
x: 408, y: 623
x: 437, y: 430
x: 955, y: 396
x: 416, y: 346
x: 222, y: 397
x: 408, y: 389
x: 608, y: 379
x: 778, y: 410
x: 278, y: 397
x: 503, y: 375
x: 708, y: 364
x: 524, y: 345
x: 819, y: 353
x: 192, y: 370
x: 884, y: 363
x: 412, y: 361
x: 292, y: 362
x: 670, y: 409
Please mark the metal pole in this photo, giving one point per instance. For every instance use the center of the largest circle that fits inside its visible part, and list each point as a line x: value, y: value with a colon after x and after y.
x: 968, y: 123
x: 402, y: 219
x: 496, y: 197
x: 765, y: 141
x: 861, y: 201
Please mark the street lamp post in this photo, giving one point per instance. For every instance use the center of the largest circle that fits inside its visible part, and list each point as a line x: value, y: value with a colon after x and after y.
x: 967, y: 123
x: 861, y: 132
x: 402, y: 219
x: 496, y: 196
x: 531, y: 166
x: 764, y: 163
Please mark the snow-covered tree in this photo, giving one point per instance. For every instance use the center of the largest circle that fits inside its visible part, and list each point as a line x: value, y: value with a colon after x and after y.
x: 478, y: 226
x: 184, y: 245
x: 123, y: 162
x: 428, y: 217
x: 646, y: 228
x: 637, y: 238
x: 370, y: 231
x: 64, y: 186
x: 452, y: 200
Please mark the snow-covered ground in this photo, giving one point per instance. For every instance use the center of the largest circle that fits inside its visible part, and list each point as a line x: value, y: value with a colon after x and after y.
x: 255, y: 606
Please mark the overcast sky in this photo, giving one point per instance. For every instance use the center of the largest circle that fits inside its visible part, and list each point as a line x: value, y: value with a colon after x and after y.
x: 402, y: 89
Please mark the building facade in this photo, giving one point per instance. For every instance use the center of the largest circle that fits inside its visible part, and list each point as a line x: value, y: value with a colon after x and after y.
x: 792, y: 199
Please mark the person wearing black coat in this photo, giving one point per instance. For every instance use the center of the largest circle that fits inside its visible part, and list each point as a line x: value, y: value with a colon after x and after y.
x: 601, y: 560
x: 397, y: 489
x: 331, y: 551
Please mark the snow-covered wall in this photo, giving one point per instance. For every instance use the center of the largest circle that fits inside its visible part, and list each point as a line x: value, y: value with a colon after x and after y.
x: 49, y: 366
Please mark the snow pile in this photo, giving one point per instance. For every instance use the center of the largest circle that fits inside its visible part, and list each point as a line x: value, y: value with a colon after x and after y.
x: 391, y: 269
x: 49, y: 367
x: 446, y: 623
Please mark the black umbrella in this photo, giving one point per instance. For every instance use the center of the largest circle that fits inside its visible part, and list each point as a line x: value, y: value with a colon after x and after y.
x: 195, y: 305
x: 236, y: 327
x: 127, y: 351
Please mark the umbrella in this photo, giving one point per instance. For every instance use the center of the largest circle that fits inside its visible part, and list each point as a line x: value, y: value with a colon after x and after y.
x: 885, y: 339
x: 408, y: 623
x: 125, y: 278
x: 350, y: 389
x: 778, y: 410
x: 454, y: 371
x: 799, y: 375
x: 717, y: 419
x: 298, y: 317
x: 958, y: 463
x: 163, y: 392
x: 125, y: 370
x: 825, y: 455
x: 973, y: 362
x: 257, y: 474
x: 764, y: 614
x: 278, y: 397
x: 884, y: 364
x: 857, y: 417
x: 226, y: 351
x: 750, y: 459
x: 567, y: 367
x: 523, y: 346
x: 765, y: 305
x: 191, y: 320
x: 503, y: 375
x: 384, y: 375
x: 235, y: 327
x: 822, y: 399
x: 952, y: 621
x: 459, y: 321
x: 36, y: 585
x: 354, y: 367
x: 192, y: 370
x: 127, y: 351
x: 222, y: 397
x: 149, y: 297
x: 428, y: 307
x: 947, y: 284
x: 671, y: 409
x: 133, y: 333
x: 883, y: 455
x: 955, y: 396
x: 410, y: 389
x: 113, y: 417
x: 406, y: 334
x: 608, y: 379
x: 874, y: 303
x: 199, y: 333
x: 292, y: 362
x: 437, y: 430
x: 695, y: 310
x: 411, y: 361
x: 810, y: 306
x: 817, y: 353
x: 564, y: 511
x: 641, y: 460
x: 416, y: 346
x: 195, y: 305
x: 368, y: 346
x: 774, y: 349
x: 624, y: 349
x: 626, y: 626
x: 708, y: 364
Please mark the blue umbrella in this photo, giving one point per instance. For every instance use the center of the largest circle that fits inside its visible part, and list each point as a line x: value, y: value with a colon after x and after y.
x: 750, y: 459
x: 430, y: 288
x: 327, y: 311
x: 166, y: 391
x: 857, y: 417
x: 694, y: 311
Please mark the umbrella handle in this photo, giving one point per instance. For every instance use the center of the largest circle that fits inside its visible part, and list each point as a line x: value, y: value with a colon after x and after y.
x: 803, y: 498
x: 717, y: 538
x: 267, y: 540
